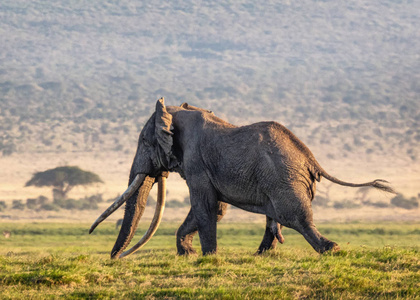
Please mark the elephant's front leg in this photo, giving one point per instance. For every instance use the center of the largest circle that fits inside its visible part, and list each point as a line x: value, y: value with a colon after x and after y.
x: 185, y: 235
x: 186, y: 232
x: 204, y: 206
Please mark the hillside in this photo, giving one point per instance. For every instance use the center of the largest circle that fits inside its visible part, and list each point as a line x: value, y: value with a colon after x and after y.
x: 83, y: 76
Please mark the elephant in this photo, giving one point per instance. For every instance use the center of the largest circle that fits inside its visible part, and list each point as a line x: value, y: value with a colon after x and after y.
x: 262, y: 168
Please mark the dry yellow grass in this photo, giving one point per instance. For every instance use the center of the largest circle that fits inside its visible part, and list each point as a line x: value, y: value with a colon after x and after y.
x: 113, y: 168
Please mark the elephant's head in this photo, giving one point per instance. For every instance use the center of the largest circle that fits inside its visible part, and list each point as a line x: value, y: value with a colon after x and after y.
x: 153, y: 160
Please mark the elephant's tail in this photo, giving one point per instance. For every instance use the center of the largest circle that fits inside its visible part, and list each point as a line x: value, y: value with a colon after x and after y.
x: 377, y: 183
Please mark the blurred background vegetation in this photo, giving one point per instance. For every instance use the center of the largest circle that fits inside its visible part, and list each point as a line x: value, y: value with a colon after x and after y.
x: 84, y: 75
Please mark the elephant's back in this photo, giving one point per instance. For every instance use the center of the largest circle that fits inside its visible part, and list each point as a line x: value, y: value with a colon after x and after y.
x: 280, y: 140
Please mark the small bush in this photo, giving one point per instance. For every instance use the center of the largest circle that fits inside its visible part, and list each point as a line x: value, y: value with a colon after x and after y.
x: 36, y: 203
x: 86, y: 203
x: 70, y: 204
x: 110, y: 200
x: 95, y: 198
x: 60, y: 202
x: 50, y: 207
x: 379, y: 204
x: 151, y: 201
x: 401, y: 201
x: 42, y: 199
x: 175, y: 203
x: 17, y: 204
x: 31, y: 203
x: 320, y: 201
x: 3, y: 205
x: 345, y: 204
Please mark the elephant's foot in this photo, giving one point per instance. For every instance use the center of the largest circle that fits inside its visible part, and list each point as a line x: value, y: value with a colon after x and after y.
x: 209, y: 251
x: 264, y: 247
x: 184, y: 245
x: 317, y: 241
x: 330, y: 247
x: 186, y: 251
x: 269, y: 242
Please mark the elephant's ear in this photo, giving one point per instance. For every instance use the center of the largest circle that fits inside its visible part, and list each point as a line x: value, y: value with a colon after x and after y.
x: 163, y: 124
x: 184, y: 105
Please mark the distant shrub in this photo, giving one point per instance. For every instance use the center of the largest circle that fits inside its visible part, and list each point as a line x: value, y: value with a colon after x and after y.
x: 347, y: 147
x: 59, y: 201
x: 70, y: 204
x: 31, y: 203
x: 175, y: 203
x: 112, y: 199
x: 401, y: 201
x: 86, y: 203
x: 50, y: 207
x: 104, y: 128
x: 369, y: 151
x: 151, y: 201
x: 320, y: 201
x: 36, y: 203
x: 3, y: 205
x: 7, y: 148
x: 345, y: 204
x: 42, y: 199
x: 17, y: 204
x: 95, y: 198
x: 379, y: 204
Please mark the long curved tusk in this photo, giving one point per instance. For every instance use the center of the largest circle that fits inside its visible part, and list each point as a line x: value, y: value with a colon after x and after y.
x: 120, y: 200
x: 160, y: 206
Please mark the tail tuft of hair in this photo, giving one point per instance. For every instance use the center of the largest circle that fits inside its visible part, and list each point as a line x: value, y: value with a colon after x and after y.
x: 384, y: 186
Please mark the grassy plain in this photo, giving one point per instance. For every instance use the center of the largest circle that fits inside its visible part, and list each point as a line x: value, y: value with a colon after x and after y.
x: 47, y: 260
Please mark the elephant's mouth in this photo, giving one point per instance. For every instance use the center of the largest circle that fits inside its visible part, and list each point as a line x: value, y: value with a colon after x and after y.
x: 136, y: 198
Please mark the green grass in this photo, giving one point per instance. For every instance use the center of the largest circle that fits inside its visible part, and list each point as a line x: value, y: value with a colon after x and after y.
x: 42, y: 261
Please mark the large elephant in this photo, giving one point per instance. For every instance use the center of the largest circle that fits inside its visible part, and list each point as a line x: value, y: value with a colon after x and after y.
x: 262, y: 168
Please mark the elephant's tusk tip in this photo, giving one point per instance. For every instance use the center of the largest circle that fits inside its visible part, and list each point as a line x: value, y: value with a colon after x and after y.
x: 92, y: 228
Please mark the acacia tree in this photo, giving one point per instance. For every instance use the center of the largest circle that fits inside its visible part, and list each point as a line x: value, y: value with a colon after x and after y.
x: 63, y: 179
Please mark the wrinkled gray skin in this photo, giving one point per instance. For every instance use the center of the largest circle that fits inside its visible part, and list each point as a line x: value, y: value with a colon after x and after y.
x: 262, y: 168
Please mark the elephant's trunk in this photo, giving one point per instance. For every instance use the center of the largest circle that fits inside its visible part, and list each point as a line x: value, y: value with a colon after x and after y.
x: 160, y: 206
x: 134, y: 210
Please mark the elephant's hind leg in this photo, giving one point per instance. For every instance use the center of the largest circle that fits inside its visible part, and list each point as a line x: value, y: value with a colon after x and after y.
x: 317, y: 241
x: 188, y: 229
x: 271, y: 236
x: 296, y: 213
